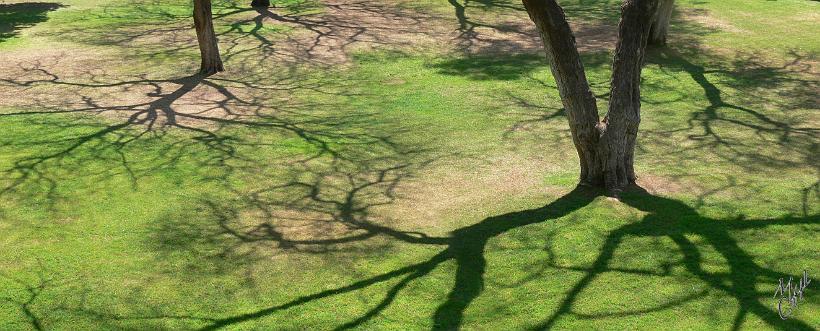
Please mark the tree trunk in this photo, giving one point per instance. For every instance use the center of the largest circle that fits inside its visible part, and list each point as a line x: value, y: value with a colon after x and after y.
x: 605, y: 148
x: 578, y: 100
x: 208, y: 48
x: 660, y: 25
x: 260, y: 3
x: 620, y: 126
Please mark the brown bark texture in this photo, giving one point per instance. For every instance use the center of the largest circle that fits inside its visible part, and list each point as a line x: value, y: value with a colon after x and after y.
x: 208, y: 47
x: 660, y: 26
x: 606, y: 148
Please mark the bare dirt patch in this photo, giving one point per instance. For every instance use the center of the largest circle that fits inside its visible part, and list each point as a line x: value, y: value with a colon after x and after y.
x: 663, y: 185
x: 466, y: 191
x: 72, y: 77
x: 703, y: 18
x: 346, y: 27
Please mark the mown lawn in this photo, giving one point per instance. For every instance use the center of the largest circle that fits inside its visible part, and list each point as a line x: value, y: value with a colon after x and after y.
x: 398, y: 165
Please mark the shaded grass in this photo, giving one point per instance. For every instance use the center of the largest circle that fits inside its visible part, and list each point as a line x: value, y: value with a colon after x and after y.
x: 17, y: 16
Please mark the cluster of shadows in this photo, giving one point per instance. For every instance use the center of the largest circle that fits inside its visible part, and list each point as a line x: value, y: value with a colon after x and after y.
x: 466, y: 247
x: 16, y: 16
x: 288, y: 35
x: 297, y: 34
x: 325, y: 39
x: 480, y: 20
x: 339, y: 186
x: 468, y: 36
x: 750, y: 74
x: 207, y: 120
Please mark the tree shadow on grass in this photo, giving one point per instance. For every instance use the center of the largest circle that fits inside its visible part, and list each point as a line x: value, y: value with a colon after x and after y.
x: 195, y: 117
x: 510, y: 67
x: 757, y: 115
x: 477, y: 17
x: 32, y: 293
x: 344, y: 193
x: 17, y: 16
x: 37, y: 170
x: 677, y: 221
x: 491, y: 68
x: 748, y: 74
x: 347, y: 205
x: 294, y: 33
x: 466, y: 247
x: 469, y: 34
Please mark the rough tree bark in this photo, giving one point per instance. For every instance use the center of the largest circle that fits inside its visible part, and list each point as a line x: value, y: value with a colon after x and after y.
x: 605, y: 148
x: 657, y: 33
x: 260, y: 3
x: 208, y: 47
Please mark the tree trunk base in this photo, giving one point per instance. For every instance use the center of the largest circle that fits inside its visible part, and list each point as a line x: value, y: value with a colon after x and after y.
x: 608, y: 171
x: 210, y: 69
x: 612, y: 192
x: 208, y: 44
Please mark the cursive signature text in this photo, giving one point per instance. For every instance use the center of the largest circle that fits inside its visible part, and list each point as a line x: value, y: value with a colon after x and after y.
x: 789, y: 295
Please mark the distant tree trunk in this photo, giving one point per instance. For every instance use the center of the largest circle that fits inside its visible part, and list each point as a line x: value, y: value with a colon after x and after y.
x: 657, y: 34
x: 605, y: 148
x: 208, y: 47
x: 260, y: 3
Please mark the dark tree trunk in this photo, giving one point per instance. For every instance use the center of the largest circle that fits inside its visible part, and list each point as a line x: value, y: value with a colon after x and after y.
x: 620, y: 126
x: 660, y: 25
x: 578, y: 100
x: 208, y: 47
x: 260, y: 3
x: 605, y: 148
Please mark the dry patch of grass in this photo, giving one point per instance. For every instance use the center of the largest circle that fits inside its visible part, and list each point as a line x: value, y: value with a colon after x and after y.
x: 707, y: 20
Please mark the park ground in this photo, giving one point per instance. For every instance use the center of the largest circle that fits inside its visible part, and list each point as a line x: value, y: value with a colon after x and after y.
x: 398, y: 165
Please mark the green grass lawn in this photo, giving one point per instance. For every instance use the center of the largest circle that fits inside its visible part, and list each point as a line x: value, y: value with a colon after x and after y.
x: 398, y: 165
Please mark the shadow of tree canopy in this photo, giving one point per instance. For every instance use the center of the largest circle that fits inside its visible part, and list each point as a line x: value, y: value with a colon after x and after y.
x: 17, y: 16
x: 741, y: 131
x: 508, y: 68
x: 291, y: 33
x: 679, y: 222
x: 207, y: 131
x: 466, y: 247
x: 324, y: 33
x: 491, y: 68
x: 326, y: 196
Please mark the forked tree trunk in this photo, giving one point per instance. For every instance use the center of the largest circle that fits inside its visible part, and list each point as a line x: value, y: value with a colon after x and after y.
x: 260, y: 3
x: 208, y: 47
x: 660, y: 26
x: 605, y: 148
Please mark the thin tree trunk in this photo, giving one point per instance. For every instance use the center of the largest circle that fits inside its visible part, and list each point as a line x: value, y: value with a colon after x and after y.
x: 605, y: 148
x: 260, y: 3
x: 660, y: 26
x: 208, y: 47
